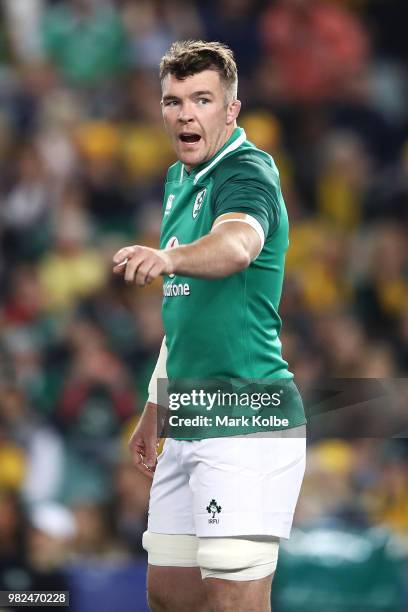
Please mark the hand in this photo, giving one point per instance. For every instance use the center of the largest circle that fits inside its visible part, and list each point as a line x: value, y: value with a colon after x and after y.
x: 143, y: 442
x: 142, y: 264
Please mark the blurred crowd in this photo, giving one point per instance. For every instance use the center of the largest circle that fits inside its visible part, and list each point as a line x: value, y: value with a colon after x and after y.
x: 82, y: 160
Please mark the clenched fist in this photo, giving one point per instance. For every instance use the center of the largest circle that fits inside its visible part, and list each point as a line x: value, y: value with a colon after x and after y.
x: 142, y: 264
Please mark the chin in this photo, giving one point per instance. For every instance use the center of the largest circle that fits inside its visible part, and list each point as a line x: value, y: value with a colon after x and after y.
x: 191, y: 160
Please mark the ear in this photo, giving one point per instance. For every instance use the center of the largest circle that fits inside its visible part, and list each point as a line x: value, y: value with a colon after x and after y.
x: 233, y: 111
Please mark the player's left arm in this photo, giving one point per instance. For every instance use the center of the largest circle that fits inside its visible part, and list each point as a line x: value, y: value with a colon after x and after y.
x: 235, y: 240
x: 229, y: 248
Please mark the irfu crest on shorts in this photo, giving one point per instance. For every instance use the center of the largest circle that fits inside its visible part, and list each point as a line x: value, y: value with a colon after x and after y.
x: 213, y: 509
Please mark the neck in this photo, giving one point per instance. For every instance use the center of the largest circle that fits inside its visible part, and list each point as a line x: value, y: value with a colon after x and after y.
x: 227, y: 135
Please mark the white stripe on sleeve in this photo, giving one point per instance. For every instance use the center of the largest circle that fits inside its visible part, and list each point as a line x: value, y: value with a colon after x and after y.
x: 249, y: 220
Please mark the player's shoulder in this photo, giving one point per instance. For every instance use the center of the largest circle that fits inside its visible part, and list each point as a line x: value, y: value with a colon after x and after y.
x: 173, y: 173
x: 248, y: 163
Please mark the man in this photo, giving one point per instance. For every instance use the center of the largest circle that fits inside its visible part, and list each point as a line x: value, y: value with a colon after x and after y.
x: 219, y: 503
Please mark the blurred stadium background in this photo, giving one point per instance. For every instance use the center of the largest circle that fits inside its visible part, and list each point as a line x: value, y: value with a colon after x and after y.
x: 82, y: 162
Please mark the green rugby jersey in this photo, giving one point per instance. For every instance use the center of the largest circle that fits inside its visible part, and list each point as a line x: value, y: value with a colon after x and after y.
x: 227, y: 329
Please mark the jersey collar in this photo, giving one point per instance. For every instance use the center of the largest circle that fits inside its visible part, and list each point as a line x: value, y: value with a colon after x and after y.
x: 236, y: 139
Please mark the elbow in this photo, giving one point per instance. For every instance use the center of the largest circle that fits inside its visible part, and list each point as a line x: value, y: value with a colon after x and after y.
x: 242, y: 260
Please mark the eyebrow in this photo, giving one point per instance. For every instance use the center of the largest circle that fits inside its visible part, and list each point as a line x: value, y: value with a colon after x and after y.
x: 204, y: 92
x: 195, y: 94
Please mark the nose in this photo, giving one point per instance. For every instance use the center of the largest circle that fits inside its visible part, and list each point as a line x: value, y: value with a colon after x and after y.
x: 185, y: 114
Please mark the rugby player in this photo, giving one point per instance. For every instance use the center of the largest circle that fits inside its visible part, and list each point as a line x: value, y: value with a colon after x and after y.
x: 222, y: 496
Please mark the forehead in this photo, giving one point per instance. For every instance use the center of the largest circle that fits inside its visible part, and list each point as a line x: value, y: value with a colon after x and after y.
x: 207, y: 80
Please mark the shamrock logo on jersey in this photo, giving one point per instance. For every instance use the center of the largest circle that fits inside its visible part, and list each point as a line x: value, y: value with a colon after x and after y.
x: 213, y: 508
x: 198, y: 202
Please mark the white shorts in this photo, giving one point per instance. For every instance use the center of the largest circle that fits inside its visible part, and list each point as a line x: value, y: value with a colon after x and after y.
x: 233, y: 486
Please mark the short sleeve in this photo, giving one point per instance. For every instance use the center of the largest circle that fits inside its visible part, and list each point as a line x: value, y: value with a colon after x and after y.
x: 250, y: 188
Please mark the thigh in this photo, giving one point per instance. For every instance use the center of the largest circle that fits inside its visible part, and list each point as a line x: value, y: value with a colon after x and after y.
x: 176, y: 589
x: 171, y: 504
x: 246, y: 486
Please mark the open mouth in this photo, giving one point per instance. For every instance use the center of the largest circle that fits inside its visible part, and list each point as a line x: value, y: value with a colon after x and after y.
x: 189, y: 137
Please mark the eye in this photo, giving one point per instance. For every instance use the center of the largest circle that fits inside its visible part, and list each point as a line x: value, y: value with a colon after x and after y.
x: 203, y: 101
x: 170, y: 103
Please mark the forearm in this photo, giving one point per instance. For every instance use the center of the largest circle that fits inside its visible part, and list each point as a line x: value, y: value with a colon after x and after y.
x: 230, y: 247
x: 216, y: 255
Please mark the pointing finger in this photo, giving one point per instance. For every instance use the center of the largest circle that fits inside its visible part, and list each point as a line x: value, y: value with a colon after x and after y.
x: 123, y: 254
x: 133, y: 265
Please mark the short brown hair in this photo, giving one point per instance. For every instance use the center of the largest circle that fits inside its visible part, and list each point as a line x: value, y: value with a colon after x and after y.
x: 188, y: 57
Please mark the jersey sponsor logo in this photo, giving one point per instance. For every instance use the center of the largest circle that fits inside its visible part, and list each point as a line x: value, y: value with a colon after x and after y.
x: 171, y: 289
x: 171, y: 243
x: 169, y: 204
x: 198, y: 202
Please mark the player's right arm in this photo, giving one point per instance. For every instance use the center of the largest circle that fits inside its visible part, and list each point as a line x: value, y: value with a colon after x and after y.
x: 144, y: 439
